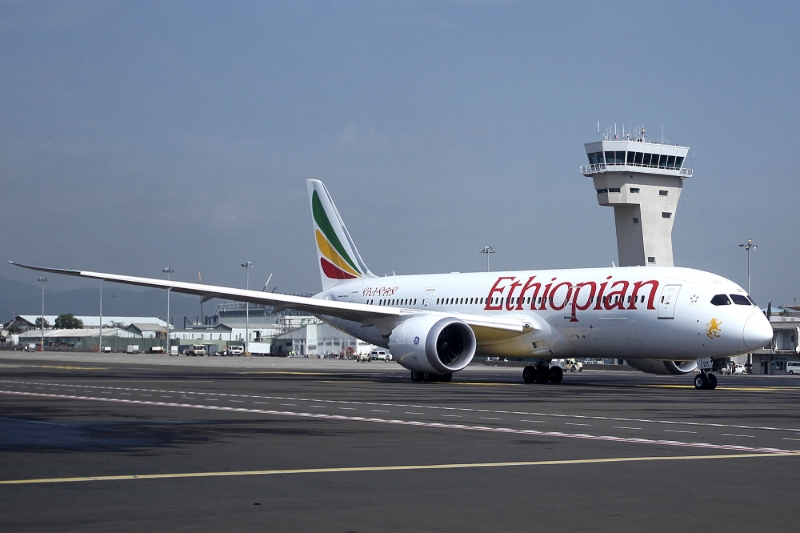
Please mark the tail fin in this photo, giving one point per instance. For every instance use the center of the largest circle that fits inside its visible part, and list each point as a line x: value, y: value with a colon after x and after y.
x: 338, y: 257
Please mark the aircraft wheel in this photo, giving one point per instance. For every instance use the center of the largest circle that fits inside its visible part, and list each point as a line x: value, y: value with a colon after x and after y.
x: 427, y: 377
x: 712, y: 381
x: 541, y: 374
x: 700, y: 381
x: 416, y: 376
x: 529, y: 374
x: 572, y: 368
x: 446, y: 378
x: 555, y: 374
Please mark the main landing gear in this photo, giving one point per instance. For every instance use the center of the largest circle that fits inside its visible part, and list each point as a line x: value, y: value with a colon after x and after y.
x: 428, y: 377
x: 705, y: 380
x: 542, y: 374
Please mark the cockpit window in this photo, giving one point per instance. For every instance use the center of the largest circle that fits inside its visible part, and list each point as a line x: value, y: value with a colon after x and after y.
x: 738, y: 299
x: 720, y: 299
x: 752, y: 301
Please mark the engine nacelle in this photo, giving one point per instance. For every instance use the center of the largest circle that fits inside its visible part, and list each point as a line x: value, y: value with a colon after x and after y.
x: 434, y: 344
x: 659, y: 366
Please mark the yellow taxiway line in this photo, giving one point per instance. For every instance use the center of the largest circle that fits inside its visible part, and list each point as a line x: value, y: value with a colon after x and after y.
x: 390, y: 468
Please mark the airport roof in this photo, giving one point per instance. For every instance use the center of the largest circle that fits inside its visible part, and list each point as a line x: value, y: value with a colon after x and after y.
x: 94, y: 321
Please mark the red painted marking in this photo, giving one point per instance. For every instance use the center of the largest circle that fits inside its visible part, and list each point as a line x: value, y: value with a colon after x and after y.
x: 334, y: 272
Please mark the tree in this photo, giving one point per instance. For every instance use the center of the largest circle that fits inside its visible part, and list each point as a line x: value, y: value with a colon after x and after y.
x: 38, y: 323
x: 68, y: 321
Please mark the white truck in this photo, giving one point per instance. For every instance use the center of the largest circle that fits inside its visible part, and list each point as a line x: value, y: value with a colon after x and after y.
x: 195, y: 350
x: 258, y: 348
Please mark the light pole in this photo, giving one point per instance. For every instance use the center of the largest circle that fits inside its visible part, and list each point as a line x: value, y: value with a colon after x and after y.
x: 168, y: 271
x: 247, y: 266
x: 487, y: 250
x: 43, y: 281
x: 100, y: 349
x: 748, y: 247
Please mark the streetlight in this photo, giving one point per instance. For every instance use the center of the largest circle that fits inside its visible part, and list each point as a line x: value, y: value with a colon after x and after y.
x: 247, y: 266
x: 747, y: 247
x: 100, y: 349
x: 168, y: 271
x: 487, y: 250
x: 43, y: 281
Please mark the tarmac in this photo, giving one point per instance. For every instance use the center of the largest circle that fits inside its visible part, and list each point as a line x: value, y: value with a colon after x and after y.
x: 114, y: 442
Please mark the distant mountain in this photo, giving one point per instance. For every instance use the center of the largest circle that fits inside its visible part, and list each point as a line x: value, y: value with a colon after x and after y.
x: 19, y: 298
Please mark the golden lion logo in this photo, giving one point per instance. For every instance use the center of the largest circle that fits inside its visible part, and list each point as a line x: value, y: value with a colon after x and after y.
x: 713, y: 328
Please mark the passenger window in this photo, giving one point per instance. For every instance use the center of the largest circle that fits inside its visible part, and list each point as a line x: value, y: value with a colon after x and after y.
x: 720, y: 299
x: 738, y: 299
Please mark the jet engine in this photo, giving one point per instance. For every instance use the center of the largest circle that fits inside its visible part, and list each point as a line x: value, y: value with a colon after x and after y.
x: 658, y: 366
x: 433, y: 344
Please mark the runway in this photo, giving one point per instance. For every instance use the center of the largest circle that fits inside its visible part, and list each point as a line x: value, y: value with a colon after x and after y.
x: 96, y: 442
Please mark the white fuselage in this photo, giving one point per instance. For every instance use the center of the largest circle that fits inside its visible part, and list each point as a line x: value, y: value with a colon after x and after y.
x: 633, y: 312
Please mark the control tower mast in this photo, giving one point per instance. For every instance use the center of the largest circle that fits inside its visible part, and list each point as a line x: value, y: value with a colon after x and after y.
x: 642, y: 181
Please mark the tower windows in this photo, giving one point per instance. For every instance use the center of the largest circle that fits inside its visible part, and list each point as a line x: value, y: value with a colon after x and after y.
x: 651, y: 260
x: 665, y: 214
x: 635, y: 220
x: 634, y: 190
x: 663, y: 193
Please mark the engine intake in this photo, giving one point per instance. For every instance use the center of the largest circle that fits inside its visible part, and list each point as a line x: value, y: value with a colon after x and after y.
x: 661, y: 367
x: 435, y: 344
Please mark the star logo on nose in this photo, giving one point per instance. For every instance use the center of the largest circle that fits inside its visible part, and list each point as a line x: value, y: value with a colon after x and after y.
x: 694, y: 298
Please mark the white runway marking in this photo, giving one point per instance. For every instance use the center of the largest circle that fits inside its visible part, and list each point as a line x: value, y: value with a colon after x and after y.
x: 417, y: 423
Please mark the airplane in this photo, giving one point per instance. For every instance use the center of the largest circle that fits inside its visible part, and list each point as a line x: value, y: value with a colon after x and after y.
x: 661, y: 320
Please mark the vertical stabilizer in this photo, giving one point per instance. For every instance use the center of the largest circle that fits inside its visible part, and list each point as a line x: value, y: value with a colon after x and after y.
x: 339, y: 261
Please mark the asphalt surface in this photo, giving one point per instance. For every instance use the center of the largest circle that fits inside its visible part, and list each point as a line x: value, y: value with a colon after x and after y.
x: 94, y: 442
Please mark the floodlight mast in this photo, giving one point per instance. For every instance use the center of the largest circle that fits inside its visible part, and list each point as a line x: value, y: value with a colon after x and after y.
x: 247, y: 266
x: 487, y: 250
x: 749, y: 246
x: 41, y: 323
x: 168, y: 271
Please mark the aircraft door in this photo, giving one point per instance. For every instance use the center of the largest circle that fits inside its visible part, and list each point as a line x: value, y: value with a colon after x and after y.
x: 427, y: 297
x: 666, y: 302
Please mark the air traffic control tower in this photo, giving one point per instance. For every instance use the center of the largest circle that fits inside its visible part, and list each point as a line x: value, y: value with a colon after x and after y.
x: 642, y: 181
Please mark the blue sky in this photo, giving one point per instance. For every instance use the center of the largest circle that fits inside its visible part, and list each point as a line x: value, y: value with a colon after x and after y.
x: 137, y: 135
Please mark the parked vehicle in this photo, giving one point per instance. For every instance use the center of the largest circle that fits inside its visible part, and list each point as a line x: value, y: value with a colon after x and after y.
x: 793, y: 367
x: 235, y: 349
x: 737, y: 369
x: 106, y: 349
x: 380, y: 355
x: 132, y: 348
x: 258, y: 348
x: 156, y: 349
x: 363, y: 358
x: 195, y: 350
x: 29, y: 347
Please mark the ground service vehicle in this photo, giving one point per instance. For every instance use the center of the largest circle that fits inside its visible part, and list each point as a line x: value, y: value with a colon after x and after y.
x: 380, y: 355
x: 793, y: 367
x: 195, y: 350
x: 661, y: 320
x: 235, y: 349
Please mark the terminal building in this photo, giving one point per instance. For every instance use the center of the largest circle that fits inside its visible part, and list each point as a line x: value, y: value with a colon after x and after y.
x: 642, y: 181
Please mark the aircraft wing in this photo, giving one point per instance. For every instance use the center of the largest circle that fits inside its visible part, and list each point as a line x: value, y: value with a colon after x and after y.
x: 383, y: 317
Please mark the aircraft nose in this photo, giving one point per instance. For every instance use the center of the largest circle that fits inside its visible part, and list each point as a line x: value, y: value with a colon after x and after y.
x: 757, y: 331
